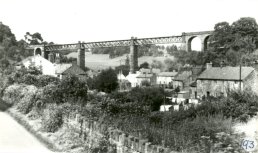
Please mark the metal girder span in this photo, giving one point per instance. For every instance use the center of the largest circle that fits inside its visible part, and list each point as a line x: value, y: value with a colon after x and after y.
x: 61, y: 47
x: 158, y: 40
x: 117, y: 43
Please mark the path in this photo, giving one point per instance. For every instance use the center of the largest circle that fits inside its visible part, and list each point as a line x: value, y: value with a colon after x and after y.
x: 16, y: 139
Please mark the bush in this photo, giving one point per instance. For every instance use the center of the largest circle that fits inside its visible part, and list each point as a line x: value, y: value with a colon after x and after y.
x: 27, y: 101
x: 28, y: 79
x: 44, y: 80
x: 53, y: 118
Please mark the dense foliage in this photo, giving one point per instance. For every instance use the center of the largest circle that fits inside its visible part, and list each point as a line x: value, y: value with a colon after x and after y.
x: 106, y: 81
x: 234, y: 43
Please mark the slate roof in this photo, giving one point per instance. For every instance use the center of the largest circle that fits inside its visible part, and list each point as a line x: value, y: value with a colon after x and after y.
x: 145, y: 76
x: 167, y: 74
x: 60, y: 68
x: 182, y: 76
x: 143, y: 70
x: 74, y: 69
x: 225, y: 73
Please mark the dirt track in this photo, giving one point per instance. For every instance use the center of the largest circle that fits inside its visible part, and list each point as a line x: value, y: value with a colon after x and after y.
x: 15, y: 139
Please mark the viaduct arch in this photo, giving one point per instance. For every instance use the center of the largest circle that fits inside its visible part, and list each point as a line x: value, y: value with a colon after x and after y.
x: 203, y: 36
x: 185, y: 39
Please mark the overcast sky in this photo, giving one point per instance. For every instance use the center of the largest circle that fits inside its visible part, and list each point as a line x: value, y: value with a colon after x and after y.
x: 70, y: 21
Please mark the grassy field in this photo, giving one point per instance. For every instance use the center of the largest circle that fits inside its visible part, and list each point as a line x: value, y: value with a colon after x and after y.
x: 102, y: 61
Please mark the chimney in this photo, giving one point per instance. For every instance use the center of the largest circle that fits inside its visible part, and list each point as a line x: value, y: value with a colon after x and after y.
x: 57, y: 60
x: 222, y: 64
x: 256, y: 66
x: 208, y: 65
x: 51, y: 57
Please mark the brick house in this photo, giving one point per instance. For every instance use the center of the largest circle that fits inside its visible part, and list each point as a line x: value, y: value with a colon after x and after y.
x: 216, y: 81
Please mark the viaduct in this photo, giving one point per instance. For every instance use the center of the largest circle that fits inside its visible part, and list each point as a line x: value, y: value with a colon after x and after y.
x: 47, y: 51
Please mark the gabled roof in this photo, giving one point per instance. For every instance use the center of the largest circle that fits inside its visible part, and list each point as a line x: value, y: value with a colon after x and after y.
x: 60, y: 68
x: 225, y: 73
x: 156, y: 71
x: 167, y: 74
x: 152, y: 70
x: 182, y: 76
x: 143, y: 70
x: 145, y: 76
x: 33, y: 59
x: 121, y: 76
x: 75, y: 69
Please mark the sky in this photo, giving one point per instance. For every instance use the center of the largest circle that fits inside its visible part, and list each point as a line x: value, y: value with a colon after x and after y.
x: 70, y: 21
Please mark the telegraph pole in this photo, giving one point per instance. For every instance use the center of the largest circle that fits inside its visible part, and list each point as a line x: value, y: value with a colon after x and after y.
x: 240, y: 72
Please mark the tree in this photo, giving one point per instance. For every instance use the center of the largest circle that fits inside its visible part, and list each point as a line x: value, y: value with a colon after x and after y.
x: 245, y: 31
x: 238, y: 39
x: 144, y: 65
x: 157, y: 64
x: 124, y: 68
x: 221, y: 38
x: 33, y: 39
x: 107, y: 81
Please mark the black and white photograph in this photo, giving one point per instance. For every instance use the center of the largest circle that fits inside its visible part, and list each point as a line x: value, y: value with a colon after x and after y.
x: 128, y: 76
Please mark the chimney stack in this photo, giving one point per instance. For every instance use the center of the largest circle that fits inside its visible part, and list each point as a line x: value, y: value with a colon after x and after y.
x: 256, y: 66
x: 51, y: 57
x: 222, y: 64
x: 57, y: 60
x: 208, y: 65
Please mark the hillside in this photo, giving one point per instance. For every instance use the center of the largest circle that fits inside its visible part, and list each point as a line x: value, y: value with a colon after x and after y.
x: 102, y: 61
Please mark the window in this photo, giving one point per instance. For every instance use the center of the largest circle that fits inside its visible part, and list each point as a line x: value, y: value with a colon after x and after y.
x: 208, y: 94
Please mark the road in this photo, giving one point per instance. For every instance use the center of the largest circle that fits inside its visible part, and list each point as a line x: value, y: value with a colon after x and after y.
x: 16, y: 139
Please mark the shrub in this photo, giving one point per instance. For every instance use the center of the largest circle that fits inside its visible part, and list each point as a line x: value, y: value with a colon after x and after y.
x: 27, y: 102
x: 52, y: 119
x: 14, y: 93
x: 29, y: 79
x: 44, y: 80
x: 106, y: 81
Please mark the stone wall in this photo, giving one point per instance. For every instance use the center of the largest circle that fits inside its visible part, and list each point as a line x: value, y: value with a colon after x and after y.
x: 216, y: 87
x: 123, y: 143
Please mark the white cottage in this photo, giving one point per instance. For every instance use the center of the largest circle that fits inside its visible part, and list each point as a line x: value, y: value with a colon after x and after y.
x: 41, y: 63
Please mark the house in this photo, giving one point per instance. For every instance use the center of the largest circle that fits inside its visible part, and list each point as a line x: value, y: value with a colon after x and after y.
x: 166, y: 78
x: 182, y: 79
x: 121, y: 76
x: 132, y: 78
x: 124, y: 84
x: 60, y: 68
x: 150, y: 78
x: 44, y: 65
x: 74, y: 69
x: 216, y: 81
x: 53, y: 69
